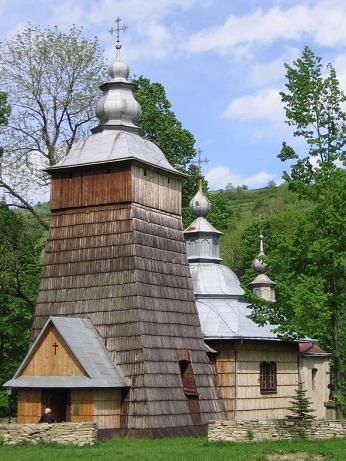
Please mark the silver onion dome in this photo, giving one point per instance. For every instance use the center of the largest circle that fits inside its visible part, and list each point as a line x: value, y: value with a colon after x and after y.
x: 118, y: 106
x: 199, y: 205
x: 257, y: 264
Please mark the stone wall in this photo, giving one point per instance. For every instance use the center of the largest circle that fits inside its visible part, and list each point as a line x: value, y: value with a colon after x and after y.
x: 242, y: 431
x: 64, y: 433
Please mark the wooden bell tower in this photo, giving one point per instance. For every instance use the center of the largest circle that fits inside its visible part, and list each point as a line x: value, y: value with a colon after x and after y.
x: 116, y: 255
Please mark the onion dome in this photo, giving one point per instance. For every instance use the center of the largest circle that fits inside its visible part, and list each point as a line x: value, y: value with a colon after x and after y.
x: 200, y: 205
x: 118, y: 106
x: 262, y: 286
x: 258, y: 265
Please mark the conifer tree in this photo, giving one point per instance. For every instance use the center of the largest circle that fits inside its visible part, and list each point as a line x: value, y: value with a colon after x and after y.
x: 301, y: 405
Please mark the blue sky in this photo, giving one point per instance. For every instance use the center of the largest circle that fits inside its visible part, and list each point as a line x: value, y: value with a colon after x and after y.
x: 221, y: 62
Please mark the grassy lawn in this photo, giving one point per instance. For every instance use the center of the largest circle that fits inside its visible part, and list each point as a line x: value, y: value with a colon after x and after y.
x: 180, y: 449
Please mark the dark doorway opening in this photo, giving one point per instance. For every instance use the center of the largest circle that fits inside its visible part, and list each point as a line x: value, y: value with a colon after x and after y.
x: 57, y: 400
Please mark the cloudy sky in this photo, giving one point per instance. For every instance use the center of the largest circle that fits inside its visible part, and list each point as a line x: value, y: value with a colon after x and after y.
x: 221, y: 62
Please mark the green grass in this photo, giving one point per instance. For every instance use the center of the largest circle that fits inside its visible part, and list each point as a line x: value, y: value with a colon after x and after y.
x: 173, y: 449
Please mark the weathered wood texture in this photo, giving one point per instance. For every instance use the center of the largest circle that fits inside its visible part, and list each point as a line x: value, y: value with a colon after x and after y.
x: 124, y: 266
x: 108, y: 185
x: 45, y: 361
x: 315, y: 375
x: 29, y: 408
x: 241, y: 390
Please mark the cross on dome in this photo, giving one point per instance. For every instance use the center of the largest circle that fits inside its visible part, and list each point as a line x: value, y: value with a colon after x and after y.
x: 199, y: 162
x: 116, y: 30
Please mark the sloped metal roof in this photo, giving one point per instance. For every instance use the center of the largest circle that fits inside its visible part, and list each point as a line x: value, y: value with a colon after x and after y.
x: 85, y: 344
x: 114, y: 145
x: 210, y: 279
x: 228, y: 319
x: 201, y: 224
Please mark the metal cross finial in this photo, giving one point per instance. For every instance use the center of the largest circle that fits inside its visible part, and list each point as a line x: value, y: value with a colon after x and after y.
x: 199, y: 162
x: 117, y: 30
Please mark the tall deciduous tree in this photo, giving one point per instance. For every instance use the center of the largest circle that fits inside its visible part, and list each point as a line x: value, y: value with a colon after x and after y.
x: 308, y: 259
x: 52, y: 81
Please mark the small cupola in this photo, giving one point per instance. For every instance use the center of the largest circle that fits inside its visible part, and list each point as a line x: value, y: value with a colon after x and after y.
x: 262, y: 286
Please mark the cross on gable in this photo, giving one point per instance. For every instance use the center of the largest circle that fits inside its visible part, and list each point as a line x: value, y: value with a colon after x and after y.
x: 199, y: 162
x: 55, y: 345
x: 117, y: 29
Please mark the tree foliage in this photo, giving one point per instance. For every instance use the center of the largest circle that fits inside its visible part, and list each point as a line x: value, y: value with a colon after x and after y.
x: 306, y: 249
x: 52, y: 80
x: 21, y: 245
x: 301, y: 405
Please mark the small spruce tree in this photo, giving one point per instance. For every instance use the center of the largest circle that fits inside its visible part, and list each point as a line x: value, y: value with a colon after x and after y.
x: 301, y: 405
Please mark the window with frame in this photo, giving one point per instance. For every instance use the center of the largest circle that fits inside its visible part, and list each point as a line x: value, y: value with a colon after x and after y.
x: 268, y: 378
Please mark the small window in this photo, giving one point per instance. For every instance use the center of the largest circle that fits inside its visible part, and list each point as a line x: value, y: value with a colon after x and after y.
x: 268, y: 379
x: 70, y: 176
x: 187, y: 378
x: 108, y: 171
x: 144, y: 172
x: 76, y: 408
x: 313, y: 378
x: 168, y: 180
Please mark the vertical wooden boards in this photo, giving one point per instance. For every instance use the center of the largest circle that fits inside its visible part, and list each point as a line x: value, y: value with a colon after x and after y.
x: 87, y: 187
x: 52, y: 357
x: 107, y: 408
x: 81, y: 406
x: 156, y: 190
x: 237, y: 366
x: 29, y: 407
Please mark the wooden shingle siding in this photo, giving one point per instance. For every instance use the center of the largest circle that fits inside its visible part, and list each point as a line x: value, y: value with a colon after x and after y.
x: 124, y: 266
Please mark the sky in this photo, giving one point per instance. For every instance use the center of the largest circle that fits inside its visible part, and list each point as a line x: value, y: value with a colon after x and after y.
x: 220, y: 61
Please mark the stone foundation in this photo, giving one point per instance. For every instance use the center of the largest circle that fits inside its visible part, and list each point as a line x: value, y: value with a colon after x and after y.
x: 256, y: 430
x: 65, y: 433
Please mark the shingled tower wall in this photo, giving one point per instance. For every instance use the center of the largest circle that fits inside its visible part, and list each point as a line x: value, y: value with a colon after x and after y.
x: 116, y: 254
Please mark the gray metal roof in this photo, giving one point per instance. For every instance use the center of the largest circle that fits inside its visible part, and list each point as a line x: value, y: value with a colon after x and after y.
x: 85, y: 344
x: 201, y: 224
x: 228, y: 319
x: 114, y: 145
x: 210, y: 279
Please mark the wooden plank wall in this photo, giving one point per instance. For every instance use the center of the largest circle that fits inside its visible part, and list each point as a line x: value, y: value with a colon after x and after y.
x: 155, y: 190
x: 90, y: 187
x: 29, y: 408
x: 81, y: 405
x: 251, y: 404
x: 107, y: 408
x: 46, y: 362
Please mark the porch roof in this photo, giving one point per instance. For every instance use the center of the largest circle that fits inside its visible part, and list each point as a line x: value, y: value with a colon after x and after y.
x: 86, y: 345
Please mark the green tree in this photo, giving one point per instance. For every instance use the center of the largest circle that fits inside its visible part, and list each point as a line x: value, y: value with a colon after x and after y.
x: 52, y: 80
x: 307, y: 256
x: 21, y: 245
x: 301, y: 405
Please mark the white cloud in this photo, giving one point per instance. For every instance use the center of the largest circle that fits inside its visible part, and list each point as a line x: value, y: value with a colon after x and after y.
x: 220, y: 176
x: 264, y: 104
x: 263, y: 73
x: 324, y: 21
x: 340, y: 68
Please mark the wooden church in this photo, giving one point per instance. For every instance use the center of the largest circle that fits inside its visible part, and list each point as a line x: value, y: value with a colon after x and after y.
x: 138, y: 326
x: 116, y: 334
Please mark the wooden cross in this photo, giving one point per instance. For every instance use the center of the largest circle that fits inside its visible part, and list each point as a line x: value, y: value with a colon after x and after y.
x: 117, y: 29
x: 199, y: 162
x: 55, y: 345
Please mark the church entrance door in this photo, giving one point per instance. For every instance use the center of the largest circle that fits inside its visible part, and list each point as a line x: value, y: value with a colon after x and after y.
x: 57, y: 400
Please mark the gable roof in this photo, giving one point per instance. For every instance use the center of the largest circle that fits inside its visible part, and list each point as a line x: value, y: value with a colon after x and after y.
x: 310, y: 349
x: 85, y: 344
